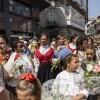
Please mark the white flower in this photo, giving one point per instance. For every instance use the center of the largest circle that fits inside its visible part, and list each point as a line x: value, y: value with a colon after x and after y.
x: 99, y: 62
x: 54, y: 60
x: 89, y: 67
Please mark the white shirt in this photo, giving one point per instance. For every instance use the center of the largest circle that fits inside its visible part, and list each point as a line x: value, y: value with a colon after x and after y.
x: 73, y: 46
x: 69, y: 84
x: 98, y: 52
x: 10, y: 66
x: 44, y: 49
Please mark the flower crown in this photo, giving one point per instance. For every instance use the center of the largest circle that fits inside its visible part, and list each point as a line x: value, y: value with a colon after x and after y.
x: 28, y: 76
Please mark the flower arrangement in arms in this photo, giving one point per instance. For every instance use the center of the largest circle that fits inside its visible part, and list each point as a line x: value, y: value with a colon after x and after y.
x: 20, y: 67
x: 92, y: 75
x: 60, y: 56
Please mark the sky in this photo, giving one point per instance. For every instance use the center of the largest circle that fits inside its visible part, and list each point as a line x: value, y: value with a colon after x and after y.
x: 94, y: 8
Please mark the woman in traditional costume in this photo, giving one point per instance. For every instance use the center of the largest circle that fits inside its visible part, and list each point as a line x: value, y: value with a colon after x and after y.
x: 72, y: 44
x: 44, y: 55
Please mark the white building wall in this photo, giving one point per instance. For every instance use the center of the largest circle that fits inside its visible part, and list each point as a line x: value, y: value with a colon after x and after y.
x: 67, y: 17
x: 43, y: 18
x: 64, y: 16
x: 90, y: 29
x: 76, y: 19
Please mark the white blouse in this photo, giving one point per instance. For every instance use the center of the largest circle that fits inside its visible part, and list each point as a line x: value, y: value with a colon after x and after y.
x: 73, y: 46
x: 44, y: 49
x: 11, y: 66
x: 69, y: 84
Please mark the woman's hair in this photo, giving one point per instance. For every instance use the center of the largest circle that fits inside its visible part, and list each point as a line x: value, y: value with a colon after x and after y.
x: 80, y: 43
x: 58, y: 37
x: 15, y: 44
x: 30, y: 88
x: 44, y: 34
x: 4, y: 37
x: 92, y: 48
x: 68, y: 59
x: 73, y: 37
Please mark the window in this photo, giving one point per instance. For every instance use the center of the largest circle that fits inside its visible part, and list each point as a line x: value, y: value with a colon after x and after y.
x: 20, y: 24
x: 2, y: 21
x: 18, y: 8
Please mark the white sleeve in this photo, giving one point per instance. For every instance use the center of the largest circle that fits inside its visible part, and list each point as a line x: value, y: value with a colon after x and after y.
x: 10, y: 63
x: 36, y: 64
x: 28, y: 63
x: 97, y: 54
x: 83, y: 88
x: 29, y: 46
x: 85, y: 92
x: 55, y: 85
x: 97, y: 90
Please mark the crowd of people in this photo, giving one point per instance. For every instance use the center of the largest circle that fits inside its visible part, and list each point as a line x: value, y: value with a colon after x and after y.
x: 27, y: 66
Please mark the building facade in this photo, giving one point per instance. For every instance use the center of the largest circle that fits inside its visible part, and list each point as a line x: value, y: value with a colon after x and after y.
x: 90, y: 27
x: 21, y: 17
x: 65, y: 17
x: 93, y: 28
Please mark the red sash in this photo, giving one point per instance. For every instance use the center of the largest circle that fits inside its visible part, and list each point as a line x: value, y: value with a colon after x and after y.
x: 71, y: 48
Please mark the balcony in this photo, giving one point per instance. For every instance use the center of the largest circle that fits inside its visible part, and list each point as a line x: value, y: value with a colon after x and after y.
x: 83, y: 7
x: 51, y: 23
x: 51, y: 17
x: 77, y: 2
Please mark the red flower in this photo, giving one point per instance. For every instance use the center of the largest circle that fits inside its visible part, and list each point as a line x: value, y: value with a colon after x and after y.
x: 17, y: 56
x: 28, y: 76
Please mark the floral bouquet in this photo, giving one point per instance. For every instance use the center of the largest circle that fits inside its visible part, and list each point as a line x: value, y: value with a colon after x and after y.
x: 20, y: 67
x: 60, y: 56
x: 92, y: 76
x: 47, y: 93
x: 56, y: 63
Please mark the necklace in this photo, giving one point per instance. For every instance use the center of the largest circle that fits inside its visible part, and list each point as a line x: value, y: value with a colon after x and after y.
x: 4, y: 58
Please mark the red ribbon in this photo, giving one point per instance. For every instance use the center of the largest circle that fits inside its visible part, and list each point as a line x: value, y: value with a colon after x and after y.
x: 28, y: 76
